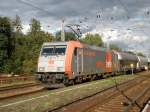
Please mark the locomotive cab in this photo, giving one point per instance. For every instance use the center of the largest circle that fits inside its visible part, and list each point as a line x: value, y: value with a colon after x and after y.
x: 51, y: 62
x: 55, y: 64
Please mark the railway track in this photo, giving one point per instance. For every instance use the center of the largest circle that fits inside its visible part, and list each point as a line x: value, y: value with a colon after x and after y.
x: 126, y: 97
x: 17, y: 90
x: 10, y: 80
x: 17, y: 86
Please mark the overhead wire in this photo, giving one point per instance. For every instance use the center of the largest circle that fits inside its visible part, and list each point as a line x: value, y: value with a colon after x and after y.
x: 99, y: 15
x: 125, y: 8
x: 34, y: 6
x: 43, y: 10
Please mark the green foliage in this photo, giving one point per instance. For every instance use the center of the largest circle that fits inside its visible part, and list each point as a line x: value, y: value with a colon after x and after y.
x: 35, y: 26
x: 141, y: 54
x: 5, y: 26
x: 68, y: 36
x: 93, y: 39
x: 17, y: 24
x: 115, y: 47
x: 6, y: 41
x: 130, y: 52
x: 26, y: 48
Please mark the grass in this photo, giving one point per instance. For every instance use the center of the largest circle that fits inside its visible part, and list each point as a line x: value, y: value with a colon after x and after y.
x: 58, y: 97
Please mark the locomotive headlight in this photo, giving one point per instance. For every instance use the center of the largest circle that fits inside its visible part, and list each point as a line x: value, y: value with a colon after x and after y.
x: 41, y: 69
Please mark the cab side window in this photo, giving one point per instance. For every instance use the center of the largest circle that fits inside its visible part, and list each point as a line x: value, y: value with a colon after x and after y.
x: 75, y: 51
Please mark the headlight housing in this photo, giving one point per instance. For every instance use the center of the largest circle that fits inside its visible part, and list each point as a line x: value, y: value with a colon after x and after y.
x: 41, y: 69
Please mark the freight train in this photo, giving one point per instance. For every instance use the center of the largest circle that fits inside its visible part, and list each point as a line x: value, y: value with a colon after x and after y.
x: 66, y: 63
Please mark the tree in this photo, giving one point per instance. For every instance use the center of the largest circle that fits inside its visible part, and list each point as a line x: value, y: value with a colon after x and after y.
x: 141, y: 54
x: 93, y: 39
x: 115, y: 47
x: 130, y: 52
x: 3, y: 49
x: 17, y: 24
x: 6, y: 35
x: 68, y: 36
x: 18, y: 35
x: 6, y: 41
x: 24, y: 56
x: 35, y: 26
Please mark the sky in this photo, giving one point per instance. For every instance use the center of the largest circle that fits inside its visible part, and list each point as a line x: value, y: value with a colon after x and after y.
x: 122, y: 22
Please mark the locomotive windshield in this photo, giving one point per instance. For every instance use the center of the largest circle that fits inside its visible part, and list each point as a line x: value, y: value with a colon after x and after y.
x: 53, y: 50
x: 60, y: 49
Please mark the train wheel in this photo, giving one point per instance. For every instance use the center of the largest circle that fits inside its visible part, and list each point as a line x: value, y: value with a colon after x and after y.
x: 92, y: 77
x: 66, y: 82
x: 71, y: 82
x: 78, y: 80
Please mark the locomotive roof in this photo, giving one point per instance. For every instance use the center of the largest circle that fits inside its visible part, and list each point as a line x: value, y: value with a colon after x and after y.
x: 143, y: 59
x: 126, y: 56
x: 95, y: 48
x: 54, y: 43
x: 65, y: 43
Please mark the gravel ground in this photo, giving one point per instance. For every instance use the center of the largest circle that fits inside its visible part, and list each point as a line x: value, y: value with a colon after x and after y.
x: 50, y: 99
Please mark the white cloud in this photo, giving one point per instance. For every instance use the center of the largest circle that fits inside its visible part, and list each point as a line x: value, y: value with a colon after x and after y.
x: 25, y: 28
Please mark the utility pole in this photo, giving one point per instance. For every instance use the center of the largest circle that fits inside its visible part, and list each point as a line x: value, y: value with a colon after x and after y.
x: 62, y: 30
